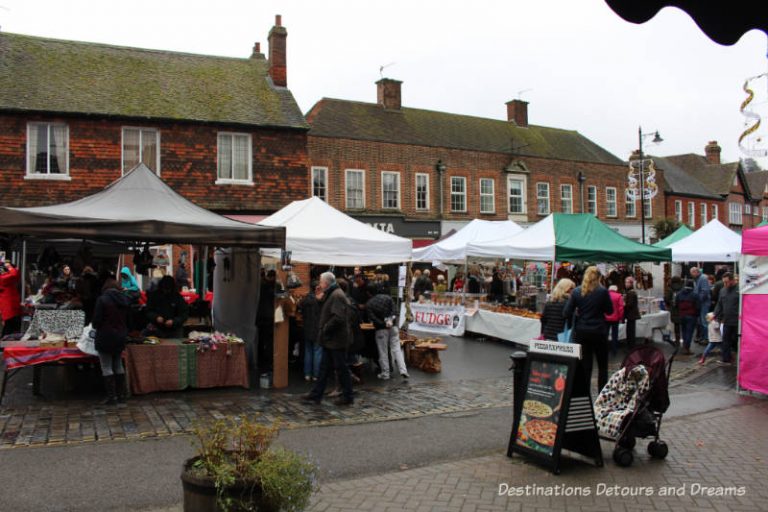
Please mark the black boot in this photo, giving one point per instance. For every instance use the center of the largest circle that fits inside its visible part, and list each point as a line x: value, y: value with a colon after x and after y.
x: 109, y: 386
x: 122, y: 390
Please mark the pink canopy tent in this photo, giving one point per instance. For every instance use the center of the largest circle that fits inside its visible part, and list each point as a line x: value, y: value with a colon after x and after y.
x: 753, y: 348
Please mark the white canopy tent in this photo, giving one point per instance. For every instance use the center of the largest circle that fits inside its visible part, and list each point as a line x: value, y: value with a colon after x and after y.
x: 535, y: 243
x: 712, y: 242
x: 454, y: 248
x: 318, y: 233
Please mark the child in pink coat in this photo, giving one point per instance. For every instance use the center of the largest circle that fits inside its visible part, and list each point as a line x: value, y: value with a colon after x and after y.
x: 615, y: 318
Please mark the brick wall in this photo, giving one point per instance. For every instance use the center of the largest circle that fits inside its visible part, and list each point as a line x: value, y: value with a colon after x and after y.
x: 722, y: 209
x: 187, y: 163
x: 374, y: 157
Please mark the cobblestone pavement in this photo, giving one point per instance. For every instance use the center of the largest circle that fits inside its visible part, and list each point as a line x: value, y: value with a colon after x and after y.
x: 711, y: 454
x: 40, y: 422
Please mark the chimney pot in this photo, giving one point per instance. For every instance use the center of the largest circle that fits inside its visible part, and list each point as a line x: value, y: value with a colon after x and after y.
x: 256, y: 54
x: 278, y: 60
x: 517, y: 112
x: 712, y: 152
x: 388, y: 93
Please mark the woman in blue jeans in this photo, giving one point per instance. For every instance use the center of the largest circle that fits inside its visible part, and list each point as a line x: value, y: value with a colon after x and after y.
x: 688, y: 310
x: 313, y: 352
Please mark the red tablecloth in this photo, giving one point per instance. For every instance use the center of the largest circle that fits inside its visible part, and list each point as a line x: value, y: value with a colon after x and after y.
x: 173, y: 365
x: 18, y: 357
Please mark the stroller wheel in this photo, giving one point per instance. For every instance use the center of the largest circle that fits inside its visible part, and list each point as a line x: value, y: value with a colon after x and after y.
x: 623, y: 457
x: 658, y: 449
x: 628, y: 442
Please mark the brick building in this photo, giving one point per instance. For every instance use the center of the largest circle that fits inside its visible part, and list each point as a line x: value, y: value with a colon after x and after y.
x: 421, y: 173
x: 699, y: 188
x: 758, y: 187
x: 225, y: 133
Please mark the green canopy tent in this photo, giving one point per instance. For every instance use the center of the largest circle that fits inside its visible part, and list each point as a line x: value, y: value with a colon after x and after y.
x: 680, y: 233
x: 764, y: 223
x: 569, y: 237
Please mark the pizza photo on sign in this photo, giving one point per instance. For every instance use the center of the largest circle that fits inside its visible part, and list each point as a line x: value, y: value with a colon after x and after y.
x: 536, y: 409
x: 541, y: 431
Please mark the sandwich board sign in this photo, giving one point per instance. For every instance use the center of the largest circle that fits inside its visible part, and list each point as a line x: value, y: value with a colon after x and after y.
x: 557, y: 411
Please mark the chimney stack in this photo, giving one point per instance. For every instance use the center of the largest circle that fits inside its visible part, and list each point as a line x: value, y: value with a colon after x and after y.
x: 256, y: 54
x: 517, y: 111
x: 388, y: 93
x: 278, y: 69
x: 712, y: 150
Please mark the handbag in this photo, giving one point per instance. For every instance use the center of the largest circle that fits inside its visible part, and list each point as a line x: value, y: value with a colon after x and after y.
x: 567, y: 335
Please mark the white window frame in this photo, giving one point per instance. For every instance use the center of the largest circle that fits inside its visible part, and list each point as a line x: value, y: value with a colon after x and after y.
x: 324, y: 172
x: 611, y: 204
x: 462, y: 194
x: 30, y: 174
x: 157, y: 140
x: 399, y: 190
x: 523, y: 194
x: 539, y: 198
x: 692, y: 214
x: 703, y: 214
x: 347, y: 172
x: 234, y: 181
x: 629, y: 202
x: 765, y: 213
x: 566, y: 199
x: 491, y: 195
x: 715, y: 212
x: 416, y: 191
x: 592, y: 203
x: 747, y: 208
x: 679, y: 211
x: 649, y: 204
x: 734, y: 214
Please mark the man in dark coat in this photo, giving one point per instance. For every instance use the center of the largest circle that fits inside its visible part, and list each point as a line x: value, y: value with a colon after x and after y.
x: 335, y: 336
x: 727, y: 313
x: 631, y: 309
x: 110, y: 319
x: 167, y: 310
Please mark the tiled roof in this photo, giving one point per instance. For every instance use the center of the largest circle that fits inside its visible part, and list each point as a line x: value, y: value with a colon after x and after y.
x: 718, y: 178
x: 369, y: 121
x: 678, y: 181
x: 757, y: 181
x: 49, y: 75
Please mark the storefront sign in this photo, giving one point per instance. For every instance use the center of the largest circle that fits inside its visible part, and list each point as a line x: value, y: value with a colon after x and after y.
x: 401, y: 227
x: 555, y: 348
x: 438, y: 319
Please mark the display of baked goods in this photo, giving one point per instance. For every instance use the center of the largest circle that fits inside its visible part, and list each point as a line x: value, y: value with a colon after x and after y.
x: 511, y: 310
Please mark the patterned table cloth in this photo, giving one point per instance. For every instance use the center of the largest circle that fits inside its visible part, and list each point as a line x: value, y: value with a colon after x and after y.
x: 173, y: 365
x: 67, y: 322
x: 19, y: 357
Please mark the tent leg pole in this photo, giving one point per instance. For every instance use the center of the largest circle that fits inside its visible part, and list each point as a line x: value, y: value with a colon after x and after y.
x: 552, y: 278
x: 23, y: 268
x: 738, y: 332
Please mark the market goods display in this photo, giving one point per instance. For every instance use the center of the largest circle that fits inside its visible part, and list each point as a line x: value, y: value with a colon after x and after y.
x: 510, y: 310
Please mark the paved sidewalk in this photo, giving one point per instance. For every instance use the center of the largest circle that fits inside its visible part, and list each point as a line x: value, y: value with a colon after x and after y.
x: 711, y: 454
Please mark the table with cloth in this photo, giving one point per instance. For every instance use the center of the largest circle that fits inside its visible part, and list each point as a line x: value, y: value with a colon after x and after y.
x: 173, y: 365
x: 504, y: 326
x: 650, y: 326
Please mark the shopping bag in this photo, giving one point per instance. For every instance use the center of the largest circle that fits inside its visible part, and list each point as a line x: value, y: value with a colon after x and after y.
x: 87, y: 342
x: 566, y: 335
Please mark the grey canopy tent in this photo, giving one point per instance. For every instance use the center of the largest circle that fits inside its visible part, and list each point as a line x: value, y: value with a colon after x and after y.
x: 137, y: 207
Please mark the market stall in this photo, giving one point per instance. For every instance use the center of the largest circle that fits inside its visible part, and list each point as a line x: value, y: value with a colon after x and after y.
x: 711, y: 242
x: 561, y: 237
x: 753, y: 347
x: 680, y: 233
x: 137, y: 208
x: 454, y: 248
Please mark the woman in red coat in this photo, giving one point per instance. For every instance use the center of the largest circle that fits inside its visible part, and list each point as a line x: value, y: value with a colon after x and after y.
x: 10, y: 298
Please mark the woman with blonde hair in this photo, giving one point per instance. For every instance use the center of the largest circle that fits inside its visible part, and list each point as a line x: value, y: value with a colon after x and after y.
x: 591, y: 302
x: 552, y: 319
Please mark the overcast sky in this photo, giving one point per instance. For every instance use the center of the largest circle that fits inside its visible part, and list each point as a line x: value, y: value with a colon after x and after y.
x: 579, y: 65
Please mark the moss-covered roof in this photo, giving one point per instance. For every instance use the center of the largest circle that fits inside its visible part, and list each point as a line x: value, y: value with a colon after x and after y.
x: 718, y: 178
x: 369, y: 121
x: 50, y: 75
x: 678, y: 181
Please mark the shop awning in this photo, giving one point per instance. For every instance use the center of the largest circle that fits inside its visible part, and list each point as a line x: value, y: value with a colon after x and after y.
x: 711, y: 242
x: 137, y: 207
x: 571, y: 237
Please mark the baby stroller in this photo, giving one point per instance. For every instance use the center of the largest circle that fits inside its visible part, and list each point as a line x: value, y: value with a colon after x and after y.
x: 633, y: 402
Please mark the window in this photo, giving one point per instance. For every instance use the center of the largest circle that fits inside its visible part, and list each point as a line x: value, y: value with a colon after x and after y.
x: 679, y: 211
x: 692, y: 215
x: 487, y: 199
x: 458, y: 194
x: 516, y: 189
x: 390, y: 190
x: 320, y: 183
x: 592, y: 200
x: 765, y: 213
x: 47, y: 153
x: 648, y: 208
x: 566, y: 198
x: 355, y: 189
x: 234, y: 158
x: 747, y: 209
x: 703, y: 212
x: 140, y: 146
x: 610, y: 202
x: 542, y: 198
x: 630, y: 205
x: 422, y: 192
x: 715, y: 213
x: 734, y: 213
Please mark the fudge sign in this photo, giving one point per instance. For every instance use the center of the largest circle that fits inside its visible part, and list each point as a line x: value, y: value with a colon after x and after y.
x: 438, y: 319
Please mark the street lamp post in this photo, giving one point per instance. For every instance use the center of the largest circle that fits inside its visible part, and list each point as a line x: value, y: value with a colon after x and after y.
x: 656, y: 140
x: 582, y: 178
x: 440, y: 168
